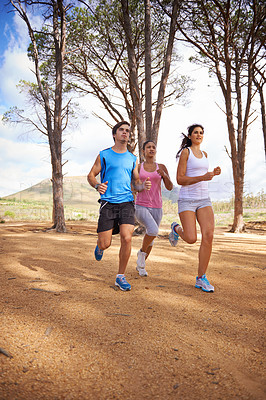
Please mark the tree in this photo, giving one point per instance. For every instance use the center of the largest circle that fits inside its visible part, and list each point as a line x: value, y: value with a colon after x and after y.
x: 226, y: 35
x: 259, y: 82
x: 47, y: 50
x: 112, y: 41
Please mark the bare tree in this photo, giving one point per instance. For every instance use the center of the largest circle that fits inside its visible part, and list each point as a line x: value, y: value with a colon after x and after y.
x: 226, y: 35
x: 121, y: 52
x: 47, y: 50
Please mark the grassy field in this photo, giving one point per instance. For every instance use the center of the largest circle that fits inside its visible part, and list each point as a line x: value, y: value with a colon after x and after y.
x: 26, y: 210
x: 80, y: 201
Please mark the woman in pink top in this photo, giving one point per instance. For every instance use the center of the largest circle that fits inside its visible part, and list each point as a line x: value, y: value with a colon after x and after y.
x: 194, y: 203
x: 149, y: 203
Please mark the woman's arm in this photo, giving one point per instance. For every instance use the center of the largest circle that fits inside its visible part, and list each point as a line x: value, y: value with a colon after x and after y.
x: 181, y: 177
x: 137, y: 185
x: 162, y: 170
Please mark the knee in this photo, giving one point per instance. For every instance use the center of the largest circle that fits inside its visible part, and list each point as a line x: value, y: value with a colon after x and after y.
x: 104, y: 244
x: 154, y: 232
x: 191, y: 239
x: 126, y: 239
x: 207, y: 237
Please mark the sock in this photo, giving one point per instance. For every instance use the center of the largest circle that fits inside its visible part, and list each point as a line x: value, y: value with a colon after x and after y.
x: 120, y: 275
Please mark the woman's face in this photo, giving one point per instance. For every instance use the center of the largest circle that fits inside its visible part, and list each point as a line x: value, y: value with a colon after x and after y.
x: 149, y: 150
x: 196, y: 136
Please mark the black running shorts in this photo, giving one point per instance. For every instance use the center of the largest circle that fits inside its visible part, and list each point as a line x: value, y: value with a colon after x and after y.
x: 112, y: 215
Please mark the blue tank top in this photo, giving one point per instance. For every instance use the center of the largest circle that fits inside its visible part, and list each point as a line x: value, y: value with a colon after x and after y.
x: 117, y: 169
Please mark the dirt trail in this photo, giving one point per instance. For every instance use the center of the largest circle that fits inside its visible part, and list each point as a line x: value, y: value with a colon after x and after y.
x: 71, y: 335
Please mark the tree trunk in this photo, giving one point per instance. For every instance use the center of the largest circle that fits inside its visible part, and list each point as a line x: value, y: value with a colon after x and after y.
x: 238, y: 224
x: 262, y: 107
x: 57, y: 179
x: 133, y: 76
x: 59, y: 217
x: 148, y: 90
x: 165, y: 74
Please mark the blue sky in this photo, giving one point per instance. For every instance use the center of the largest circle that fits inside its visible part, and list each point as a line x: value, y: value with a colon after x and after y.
x: 5, y: 18
x: 25, y: 158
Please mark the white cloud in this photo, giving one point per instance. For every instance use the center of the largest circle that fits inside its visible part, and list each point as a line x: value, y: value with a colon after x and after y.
x: 22, y: 165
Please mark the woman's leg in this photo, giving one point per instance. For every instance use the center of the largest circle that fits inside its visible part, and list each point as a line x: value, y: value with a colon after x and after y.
x: 147, y: 244
x: 205, y: 219
x: 188, y: 231
x: 150, y: 218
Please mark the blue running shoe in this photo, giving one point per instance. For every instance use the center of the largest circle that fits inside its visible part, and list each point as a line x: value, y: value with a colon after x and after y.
x: 98, y: 253
x: 122, y: 283
x: 203, y: 284
x: 173, y: 235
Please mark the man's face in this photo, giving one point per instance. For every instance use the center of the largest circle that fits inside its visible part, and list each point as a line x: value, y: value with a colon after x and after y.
x: 122, y: 134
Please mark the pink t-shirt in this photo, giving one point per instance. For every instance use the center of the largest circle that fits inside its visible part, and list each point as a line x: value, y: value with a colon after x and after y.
x: 153, y: 197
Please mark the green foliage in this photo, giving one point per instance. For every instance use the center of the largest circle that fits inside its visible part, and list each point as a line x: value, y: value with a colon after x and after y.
x: 9, y: 214
x: 13, y: 115
x: 98, y: 59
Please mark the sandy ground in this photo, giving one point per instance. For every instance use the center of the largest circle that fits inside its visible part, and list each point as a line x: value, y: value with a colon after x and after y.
x: 66, y: 333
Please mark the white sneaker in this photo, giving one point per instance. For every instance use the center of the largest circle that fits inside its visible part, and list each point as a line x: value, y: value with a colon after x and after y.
x: 141, y: 263
x: 141, y: 259
x: 173, y: 235
x: 203, y: 284
x: 141, y: 271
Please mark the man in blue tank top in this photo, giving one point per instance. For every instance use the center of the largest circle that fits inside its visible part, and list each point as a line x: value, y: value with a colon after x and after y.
x: 119, y: 169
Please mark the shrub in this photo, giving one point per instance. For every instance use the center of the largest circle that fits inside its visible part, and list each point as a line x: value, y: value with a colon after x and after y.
x: 9, y: 214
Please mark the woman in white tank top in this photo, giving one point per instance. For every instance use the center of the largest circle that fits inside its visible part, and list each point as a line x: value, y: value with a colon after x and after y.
x: 194, y: 203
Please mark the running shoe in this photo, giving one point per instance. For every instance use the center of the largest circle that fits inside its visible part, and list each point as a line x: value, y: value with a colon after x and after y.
x: 141, y: 271
x: 173, y: 235
x: 98, y: 253
x: 122, y: 283
x: 203, y: 284
x: 141, y: 263
x: 141, y: 259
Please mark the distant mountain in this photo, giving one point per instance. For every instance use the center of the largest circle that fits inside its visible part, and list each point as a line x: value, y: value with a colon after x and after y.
x: 77, y: 191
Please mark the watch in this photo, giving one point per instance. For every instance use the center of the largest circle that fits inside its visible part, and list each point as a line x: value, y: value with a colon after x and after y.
x: 96, y: 186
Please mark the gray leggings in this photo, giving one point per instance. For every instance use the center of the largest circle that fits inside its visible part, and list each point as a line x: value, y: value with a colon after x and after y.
x: 150, y: 218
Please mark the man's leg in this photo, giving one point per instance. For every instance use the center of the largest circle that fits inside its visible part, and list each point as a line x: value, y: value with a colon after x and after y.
x: 126, y: 231
x: 103, y: 242
x: 104, y: 239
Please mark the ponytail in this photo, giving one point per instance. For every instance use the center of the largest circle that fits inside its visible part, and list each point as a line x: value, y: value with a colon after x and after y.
x: 186, y: 142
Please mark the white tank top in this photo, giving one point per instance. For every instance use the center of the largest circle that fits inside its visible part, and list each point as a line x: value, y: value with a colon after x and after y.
x: 195, y: 167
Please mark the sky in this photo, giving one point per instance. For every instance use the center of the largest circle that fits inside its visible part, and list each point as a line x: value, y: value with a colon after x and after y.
x: 25, y: 157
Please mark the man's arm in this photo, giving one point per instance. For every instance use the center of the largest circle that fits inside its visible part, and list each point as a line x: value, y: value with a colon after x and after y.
x: 95, y: 170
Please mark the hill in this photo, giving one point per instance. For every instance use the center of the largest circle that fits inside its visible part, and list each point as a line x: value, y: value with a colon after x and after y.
x: 77, y: 192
